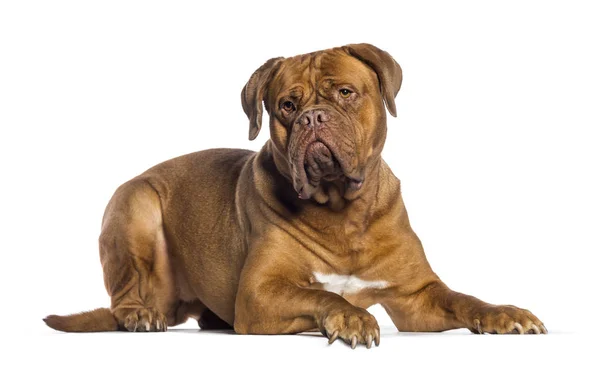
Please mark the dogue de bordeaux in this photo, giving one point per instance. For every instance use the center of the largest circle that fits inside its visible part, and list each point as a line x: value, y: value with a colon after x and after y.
x: 304, y: 235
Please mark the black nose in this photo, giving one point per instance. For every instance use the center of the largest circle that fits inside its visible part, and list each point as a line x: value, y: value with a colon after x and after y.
x: 313, y: 117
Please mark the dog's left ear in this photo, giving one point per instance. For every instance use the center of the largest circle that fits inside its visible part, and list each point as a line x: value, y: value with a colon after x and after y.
x: 388, y: 71
x: 253, y: 94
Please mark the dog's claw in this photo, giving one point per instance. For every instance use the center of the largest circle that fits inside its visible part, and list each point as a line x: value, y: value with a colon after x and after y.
x: 334, y: 336
x: 535, y: 329
x: 369, y: 341
x: 377, y: 338
x: 544, y: 330
x: 519, y: 328
x: 478, y: 326
x: 354, y: 341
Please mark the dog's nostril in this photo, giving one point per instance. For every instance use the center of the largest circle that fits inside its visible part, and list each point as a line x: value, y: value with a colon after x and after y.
x: 322, y: 116
x: 308, y: 119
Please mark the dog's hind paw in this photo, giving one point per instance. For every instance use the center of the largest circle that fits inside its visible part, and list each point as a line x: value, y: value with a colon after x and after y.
x: 145, y: 320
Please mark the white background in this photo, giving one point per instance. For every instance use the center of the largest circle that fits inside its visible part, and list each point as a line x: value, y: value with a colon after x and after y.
x: 495, y: 142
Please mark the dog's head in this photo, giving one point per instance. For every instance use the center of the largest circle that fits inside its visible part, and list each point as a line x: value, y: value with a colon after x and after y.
x: 327, y: 114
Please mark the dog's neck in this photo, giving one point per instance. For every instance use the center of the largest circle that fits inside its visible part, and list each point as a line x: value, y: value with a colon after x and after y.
x: 342, y: 227
x: 356, y: 210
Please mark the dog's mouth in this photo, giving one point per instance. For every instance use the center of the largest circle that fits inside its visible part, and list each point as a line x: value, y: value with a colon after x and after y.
x: 317, y: 162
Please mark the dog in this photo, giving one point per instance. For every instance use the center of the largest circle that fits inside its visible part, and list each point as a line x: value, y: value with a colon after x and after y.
x: 303, y: 235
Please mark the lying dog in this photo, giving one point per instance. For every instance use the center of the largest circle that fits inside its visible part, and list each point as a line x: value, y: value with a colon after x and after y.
x: 303, y: 235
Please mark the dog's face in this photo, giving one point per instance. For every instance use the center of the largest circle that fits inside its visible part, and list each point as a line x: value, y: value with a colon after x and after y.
x: 327, y: 114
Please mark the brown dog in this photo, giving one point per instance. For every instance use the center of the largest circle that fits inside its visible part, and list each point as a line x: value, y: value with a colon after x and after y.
x: 305, y: 234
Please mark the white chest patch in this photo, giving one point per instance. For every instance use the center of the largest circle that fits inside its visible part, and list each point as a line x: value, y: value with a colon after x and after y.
x: 347, y: 284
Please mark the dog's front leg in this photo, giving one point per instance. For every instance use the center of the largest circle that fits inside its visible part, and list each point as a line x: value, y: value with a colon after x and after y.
x: 274, y: 298
x: 417, y: 300
x: 435, y: 307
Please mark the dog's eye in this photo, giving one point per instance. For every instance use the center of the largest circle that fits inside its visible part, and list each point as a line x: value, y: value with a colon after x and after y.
x: 345, y: 93
x: 288, y: 106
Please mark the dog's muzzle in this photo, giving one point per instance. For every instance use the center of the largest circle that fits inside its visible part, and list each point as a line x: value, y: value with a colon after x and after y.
x: 316, y: 154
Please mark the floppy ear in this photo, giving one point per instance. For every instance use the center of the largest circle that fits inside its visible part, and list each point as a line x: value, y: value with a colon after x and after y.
x: 253, y: 94
x: 388, y: 71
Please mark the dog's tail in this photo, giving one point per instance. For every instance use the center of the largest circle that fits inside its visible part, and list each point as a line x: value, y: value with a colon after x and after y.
x: 100, y: 319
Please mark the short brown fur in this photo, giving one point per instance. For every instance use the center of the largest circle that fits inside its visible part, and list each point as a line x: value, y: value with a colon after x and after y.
x: 234, y: 238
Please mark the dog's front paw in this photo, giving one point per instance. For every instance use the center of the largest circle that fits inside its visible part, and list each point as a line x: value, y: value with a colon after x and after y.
x: 506, y: 320
x: 144, y: 319
x: 353, y: 326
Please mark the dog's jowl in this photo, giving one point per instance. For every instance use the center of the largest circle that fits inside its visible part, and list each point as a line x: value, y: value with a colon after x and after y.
x: 304, y: 235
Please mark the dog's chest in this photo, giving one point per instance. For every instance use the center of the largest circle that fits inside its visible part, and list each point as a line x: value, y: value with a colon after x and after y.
x: 346, y: 284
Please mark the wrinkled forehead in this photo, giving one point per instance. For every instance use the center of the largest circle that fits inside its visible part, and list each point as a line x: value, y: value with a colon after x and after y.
x: 310, y: 71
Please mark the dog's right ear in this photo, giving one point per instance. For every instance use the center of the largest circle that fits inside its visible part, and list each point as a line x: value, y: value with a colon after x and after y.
x: 254, y: 92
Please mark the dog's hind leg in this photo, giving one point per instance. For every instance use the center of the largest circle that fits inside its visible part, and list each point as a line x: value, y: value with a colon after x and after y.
x: 133, y: 252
